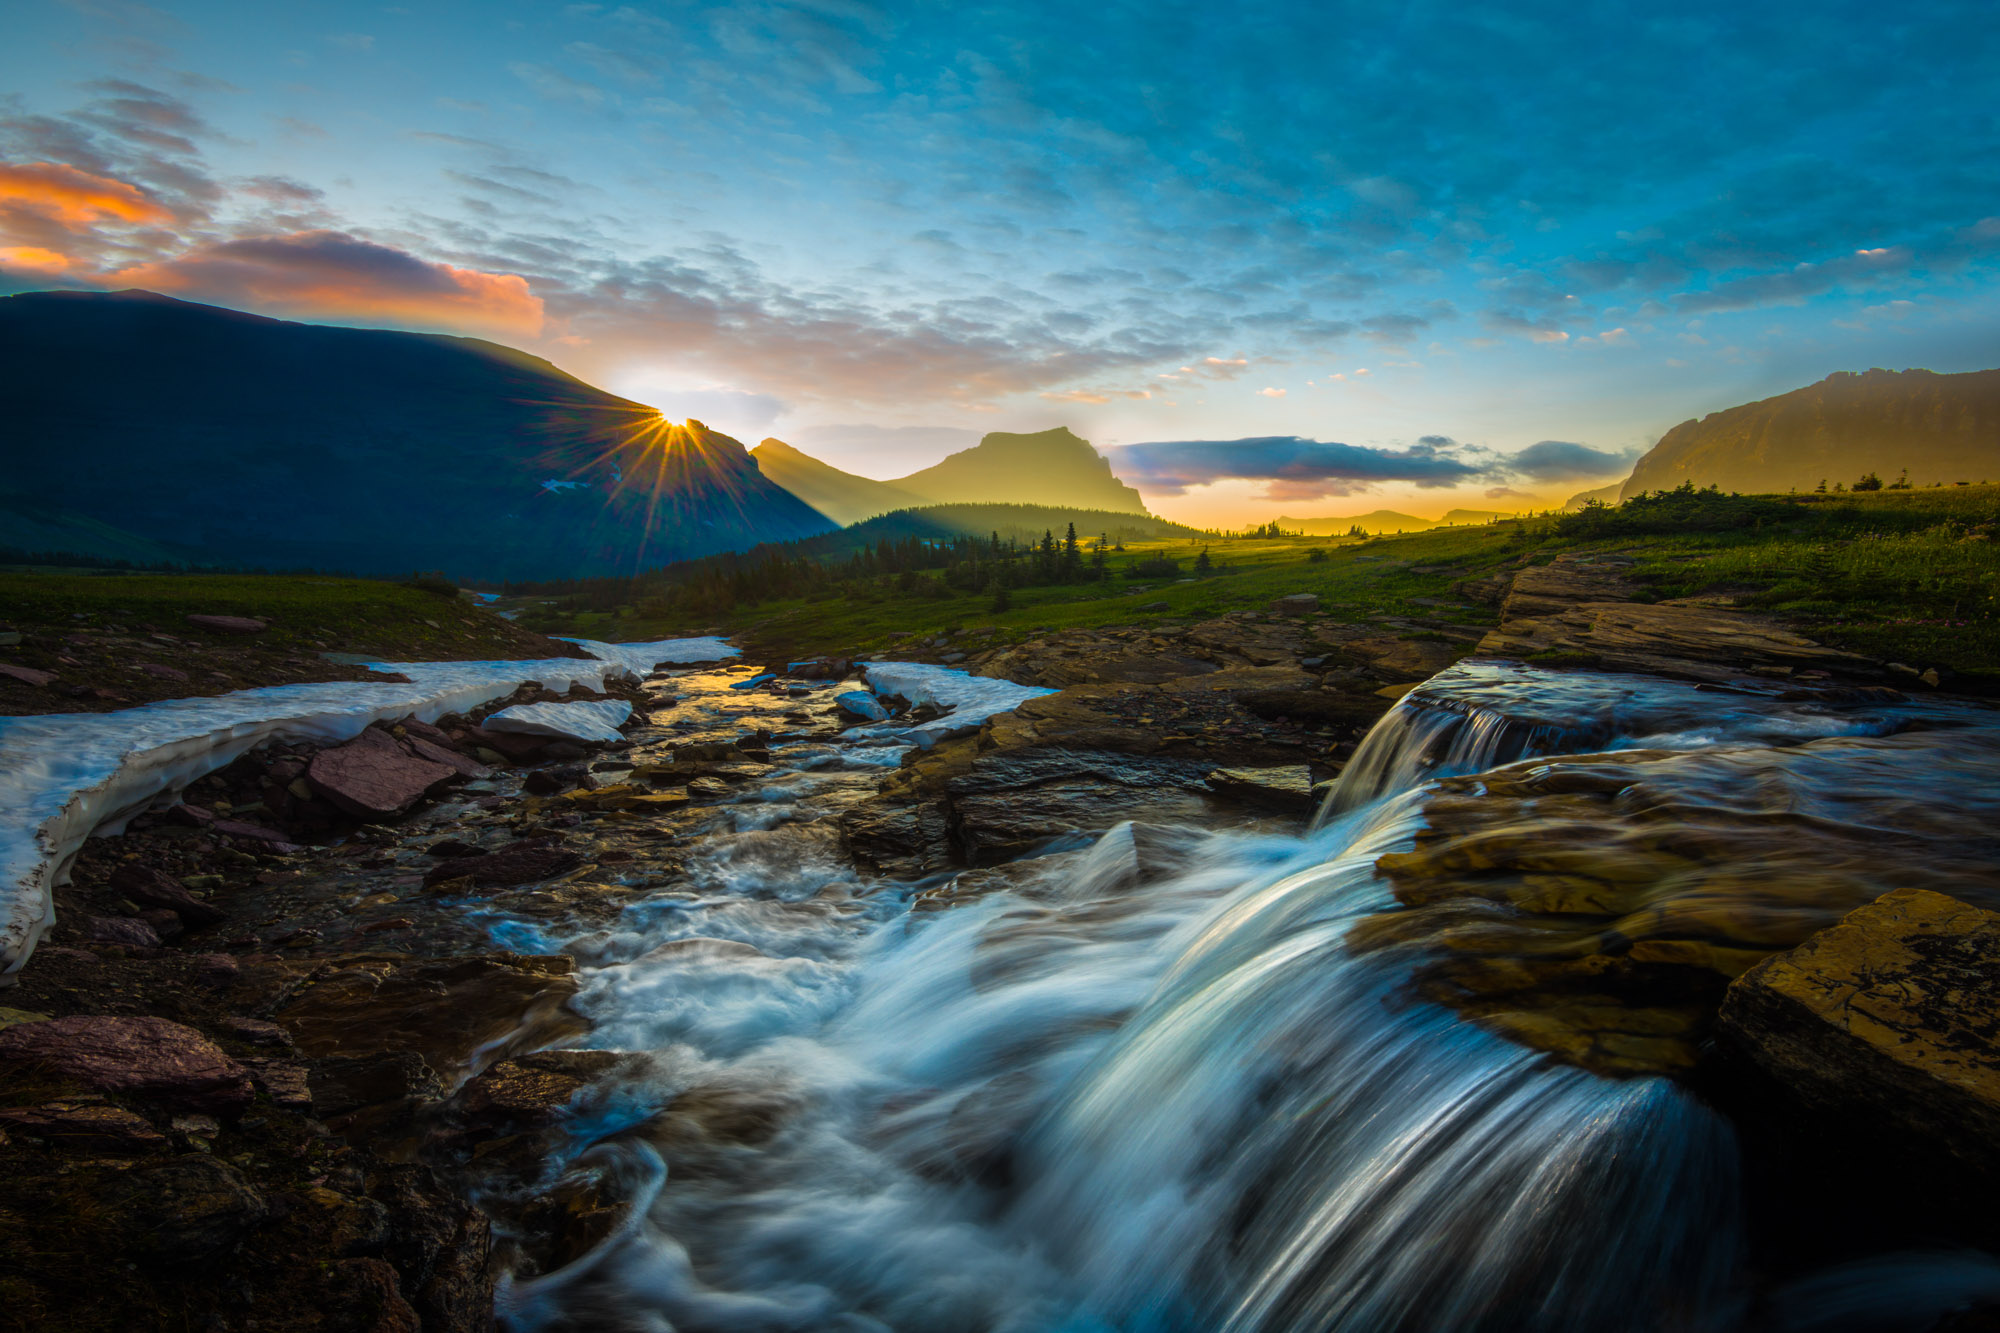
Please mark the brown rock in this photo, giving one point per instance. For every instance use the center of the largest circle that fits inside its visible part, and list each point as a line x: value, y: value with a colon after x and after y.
x: 509, y: 745
x: 88, y: 1126
x: 151, y: 887
x: 159, y: 672
x: 523, y: 862
x: 180, y: 1210
x: 122, y: 930
x: 439, y: 754
x: 1889, y: 1020
x: 372, y: 777
x: 138, y: 1055
x: 26, y: 675
x: 228, y: 624
x: 529, y: 1090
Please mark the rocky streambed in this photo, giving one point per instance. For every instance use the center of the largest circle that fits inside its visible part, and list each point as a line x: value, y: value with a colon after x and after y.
x: 766, y: 1015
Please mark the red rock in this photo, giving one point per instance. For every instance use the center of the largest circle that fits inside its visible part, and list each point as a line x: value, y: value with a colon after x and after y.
x: 256, y: 1031
x: 228, y: 624
x: 166, y: 923
x: 522, y: 863
x: 27, y: 675
x: 513, y: 746
x: 151, y: 887
x: 123, y: 930
x: 374, y: 777
x: 256, y: 833
x: 140, y: 1055
x: 89, y: 1125
x: 283, y: 1081
x: 161, y: 672
x: 421, y: 730
x: 438, y: 754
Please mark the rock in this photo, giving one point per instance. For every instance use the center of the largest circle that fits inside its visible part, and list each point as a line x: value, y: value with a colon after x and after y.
x: 1289, y: 788
x: 450, y: 847
x: 271, y: 838
x: 373, y: 777
x: 507, y: 745
x: 228, y: 624
x: 286, y: 1082
x: 26, y: 675
x: 85, y: 1126
x: 951, y: 658
x: 152, y: 887
x: 123, y: 930
x: 15, y: 1017
x: 158, y: 672
x: 550, y: 781
x: 1295, y: 604
x: 594, y: 720
x: 860, y: 705
x: 522, y: 862
x: 256, y: 1031
x: 1155, y: 606
x: 138, y: 1055
x: 439, y: 754
x: 530, y: 1091
x: 181, y: 1210
x: 708, y: 789
x: 340, y: 1085
x: 166, y: 924
x: 1888, y: 1022
x: 365, y: 1294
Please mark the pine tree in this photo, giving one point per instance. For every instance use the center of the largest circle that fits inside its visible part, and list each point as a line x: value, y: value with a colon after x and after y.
x: 1202, y: 564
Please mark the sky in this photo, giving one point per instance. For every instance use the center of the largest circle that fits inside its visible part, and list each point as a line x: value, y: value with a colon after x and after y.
x: 1271, y: 258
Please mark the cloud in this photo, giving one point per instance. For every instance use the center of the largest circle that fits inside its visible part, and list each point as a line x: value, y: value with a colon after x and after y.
x: 75, y: 199
x: 333, y: 275
x: 1292, y: 467
x: 1560, y: 460
x: 1271, y: 393
x: 1506, y: 493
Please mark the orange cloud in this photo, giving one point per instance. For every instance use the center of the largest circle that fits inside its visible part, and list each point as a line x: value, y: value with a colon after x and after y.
x: 332, y: 275
x: 74, y: 198
x: 34, y: 258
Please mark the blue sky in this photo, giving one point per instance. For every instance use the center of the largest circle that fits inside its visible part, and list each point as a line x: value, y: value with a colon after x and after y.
x: 1370, y: 225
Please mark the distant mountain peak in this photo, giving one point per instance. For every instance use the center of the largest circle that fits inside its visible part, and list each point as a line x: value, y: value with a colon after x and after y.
x: 1050, y: 467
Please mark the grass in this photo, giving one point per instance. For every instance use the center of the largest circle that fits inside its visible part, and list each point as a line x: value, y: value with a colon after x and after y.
x: 304, y: 613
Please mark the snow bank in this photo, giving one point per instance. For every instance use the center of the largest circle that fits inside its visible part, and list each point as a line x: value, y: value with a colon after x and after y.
x: 65, y: 776
x: 970, y: 700
x: 592, y: 720
x: 643, y: 657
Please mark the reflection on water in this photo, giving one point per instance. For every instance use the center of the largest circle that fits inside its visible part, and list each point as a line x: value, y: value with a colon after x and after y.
x: 1210, y: 1098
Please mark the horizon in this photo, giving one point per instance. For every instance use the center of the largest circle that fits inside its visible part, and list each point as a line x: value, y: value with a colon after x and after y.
x: 879, y: 234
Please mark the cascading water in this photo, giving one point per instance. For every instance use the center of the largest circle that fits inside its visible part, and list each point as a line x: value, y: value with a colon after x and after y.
x: 1107, y: 1101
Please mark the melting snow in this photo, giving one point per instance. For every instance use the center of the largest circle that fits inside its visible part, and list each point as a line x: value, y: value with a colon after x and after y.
x: 593, y: 720
x: 967, y: 700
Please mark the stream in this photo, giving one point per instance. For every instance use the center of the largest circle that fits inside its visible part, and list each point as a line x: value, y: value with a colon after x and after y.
x: 1156, y: 1084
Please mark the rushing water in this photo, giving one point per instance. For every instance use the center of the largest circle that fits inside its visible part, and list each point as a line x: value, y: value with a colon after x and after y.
x: 1102, y: 1101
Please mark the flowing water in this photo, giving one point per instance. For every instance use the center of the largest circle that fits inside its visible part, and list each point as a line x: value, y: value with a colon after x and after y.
x: 1112, y: 1100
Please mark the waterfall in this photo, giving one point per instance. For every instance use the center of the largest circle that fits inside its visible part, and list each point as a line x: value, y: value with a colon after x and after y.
x: 1158, y: 1107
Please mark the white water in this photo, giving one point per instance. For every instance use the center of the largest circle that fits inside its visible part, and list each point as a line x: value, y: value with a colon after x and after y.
x: 66, y: 776
x: 1179, y: 1106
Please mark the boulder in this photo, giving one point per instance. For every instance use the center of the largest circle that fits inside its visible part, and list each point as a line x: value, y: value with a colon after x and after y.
x: 466, y: 766
x: 530, y: 1091
x: 593, y: 720
x: 138, y: 1055
x: 1295, y: 604
x: 1887, y: 1023
x: 228, y: 624
x: 122, y: 930
x: 373, y: 777
x: 523, y: 862
x: 152, y: 887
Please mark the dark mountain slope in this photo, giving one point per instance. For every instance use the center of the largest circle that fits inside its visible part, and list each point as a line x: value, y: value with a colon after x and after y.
x: 250, y: 441
x: 1943, y: 428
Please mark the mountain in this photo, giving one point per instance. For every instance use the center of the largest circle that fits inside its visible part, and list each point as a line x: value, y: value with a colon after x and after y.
x: 1051, y: 467
x: 1943, y: 428
x: 841, y: 496
x: 245, y: 441
x: 1381, y: 520
x: 1461, y: 517
x: 1603, y: 495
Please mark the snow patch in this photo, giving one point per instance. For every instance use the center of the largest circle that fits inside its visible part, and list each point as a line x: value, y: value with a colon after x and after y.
x: 592, y: 720
x: 967, y: 700
x: 68, y: 775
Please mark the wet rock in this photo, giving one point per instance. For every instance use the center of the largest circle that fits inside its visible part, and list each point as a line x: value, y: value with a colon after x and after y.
x: 466, y: 766
x: 509, y: 745
x: 364, y: 1295
x: 455, y: 1013
x: 85, y: 1126
x: 550, y: 781
x: 528, y: 1091
x: 523, y: 862
x: 373, y: 777
x: 1888, y: 1023
x: 440, y: 1246
x: 151, y: 887
x: 139, y: 1055
x: 1289, y: 788
x: 708, y: 789
x: 450, y: 847
x: 228, y: 624
x: 181, y: 1210
x: 340, y: 1085
x: 285, y: 1082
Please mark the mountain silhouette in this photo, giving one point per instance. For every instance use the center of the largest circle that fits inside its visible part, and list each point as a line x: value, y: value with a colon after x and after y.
x: 1051, y: 467
x: 238, y: 440
x: 1942, y: 428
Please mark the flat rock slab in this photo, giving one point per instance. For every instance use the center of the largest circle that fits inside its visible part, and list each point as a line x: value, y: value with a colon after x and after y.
x: 1288, y: 788
x: 139, y: 1055
x: 88, y: 1126
x: 150, y: 886
x: 1889, y: 1019
x: 591, y: 720
x: 375, y: 777
x: 522, y: 863
x: 228, y: 624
